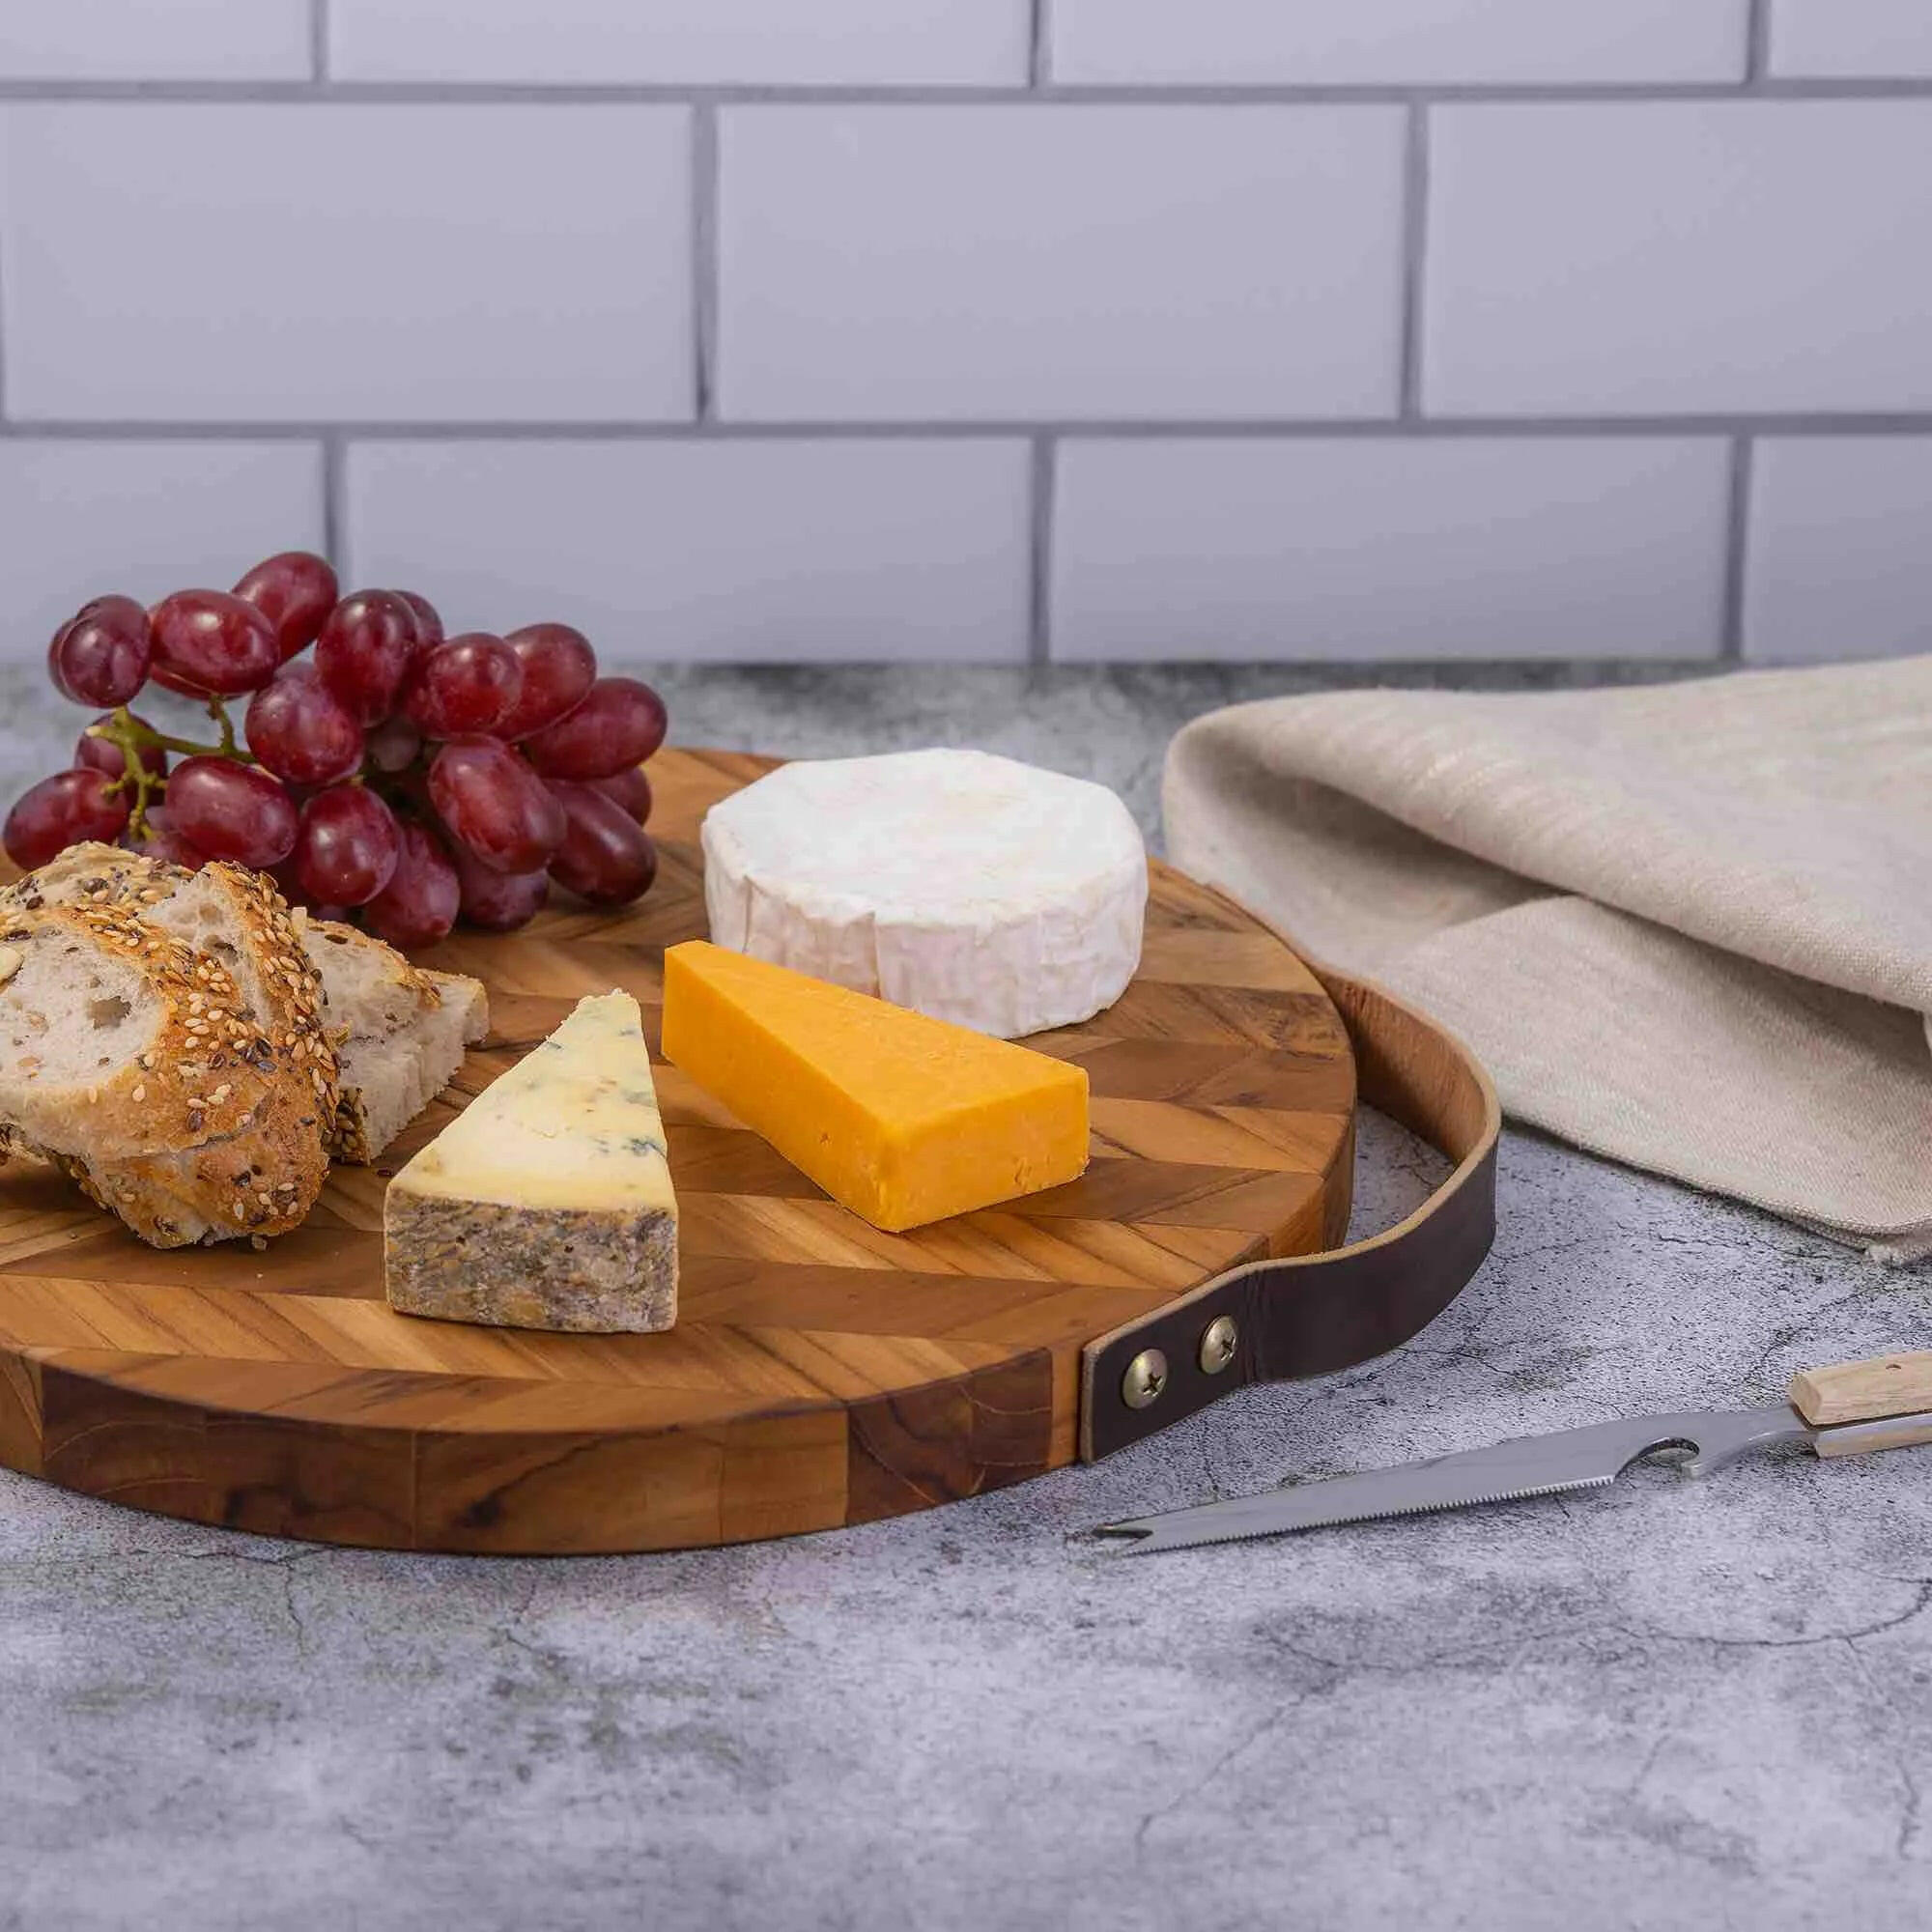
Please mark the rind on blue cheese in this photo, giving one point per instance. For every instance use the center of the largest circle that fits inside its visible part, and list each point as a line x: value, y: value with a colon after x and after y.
x: 965, y: 885
x: 547, y: 1203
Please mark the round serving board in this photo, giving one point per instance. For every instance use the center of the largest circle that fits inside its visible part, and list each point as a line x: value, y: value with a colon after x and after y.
x: 821, y: 1373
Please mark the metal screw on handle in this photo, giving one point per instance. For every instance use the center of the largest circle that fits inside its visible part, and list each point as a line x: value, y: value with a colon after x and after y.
x: 1145, y: 1378
x: 1217, y: 1345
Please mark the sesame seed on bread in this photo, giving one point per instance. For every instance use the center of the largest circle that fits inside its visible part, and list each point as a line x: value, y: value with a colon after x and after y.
x: 159, y: 1042
x: 192, y: 1054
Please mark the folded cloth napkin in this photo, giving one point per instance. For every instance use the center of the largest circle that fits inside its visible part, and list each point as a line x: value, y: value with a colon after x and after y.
x: 1687, y: 926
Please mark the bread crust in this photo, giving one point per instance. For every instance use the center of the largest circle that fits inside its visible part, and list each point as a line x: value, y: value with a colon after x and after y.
x: 217, y: 1128
x: 223, y: 1123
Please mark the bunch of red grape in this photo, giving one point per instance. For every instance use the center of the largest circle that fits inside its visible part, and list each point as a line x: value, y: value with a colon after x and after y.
x: 395, y: 770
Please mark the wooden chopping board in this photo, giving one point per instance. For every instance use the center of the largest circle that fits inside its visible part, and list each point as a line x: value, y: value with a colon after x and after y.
x: 821, y: 1373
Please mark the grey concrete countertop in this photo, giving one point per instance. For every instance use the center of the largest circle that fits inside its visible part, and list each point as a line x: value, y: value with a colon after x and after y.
x: 1670, y: 1704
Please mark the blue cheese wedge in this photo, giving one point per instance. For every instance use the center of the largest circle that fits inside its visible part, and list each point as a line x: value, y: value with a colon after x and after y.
x: 547, y: 1203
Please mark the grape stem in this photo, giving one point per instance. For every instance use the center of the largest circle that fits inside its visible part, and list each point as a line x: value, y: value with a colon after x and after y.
x: 220, y: 713
x: 131, y: 737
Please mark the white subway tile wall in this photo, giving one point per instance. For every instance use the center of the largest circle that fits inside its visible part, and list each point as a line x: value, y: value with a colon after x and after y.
x: 782, y: 550
x: 778, y: 43
x: 1680, y: 257
x: 142, y: 40
x: 252, y: 263
x: 1245, y: 43
x: 81, y: 519
x: 1470, y: 548
x: 1841, y: 548
x: 986, y: 329
x: 1852, y: 38
x: 892, y: 263
x: 262, y: 264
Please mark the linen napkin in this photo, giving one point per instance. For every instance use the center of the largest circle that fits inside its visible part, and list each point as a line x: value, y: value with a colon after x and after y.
x: 1689, y: 925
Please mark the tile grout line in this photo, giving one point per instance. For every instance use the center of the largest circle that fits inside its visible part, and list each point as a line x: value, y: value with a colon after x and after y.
x: 1737, y: 550
x: 318, y: 39
x: 1040, y: 50
x: 6, y: 401
x: 1757, y: 44
x: 1178, y: 428
x: 705, y: 174
x: 1044, y: 481
x: 1414, y: 259
x: 334, y: 500
x: 1048, y: 93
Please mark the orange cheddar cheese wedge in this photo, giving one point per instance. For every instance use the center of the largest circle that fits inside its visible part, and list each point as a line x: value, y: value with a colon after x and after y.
x: 902, y: 1119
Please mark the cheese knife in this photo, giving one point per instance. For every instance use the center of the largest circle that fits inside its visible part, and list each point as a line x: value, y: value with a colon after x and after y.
x: 1844, y: 1410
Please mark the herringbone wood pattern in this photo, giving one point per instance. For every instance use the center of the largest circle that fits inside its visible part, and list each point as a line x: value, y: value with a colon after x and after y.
x: 821, y: 1371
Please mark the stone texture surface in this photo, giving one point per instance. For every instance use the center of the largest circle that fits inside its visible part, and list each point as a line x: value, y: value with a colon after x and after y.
x: 1670, y: 1704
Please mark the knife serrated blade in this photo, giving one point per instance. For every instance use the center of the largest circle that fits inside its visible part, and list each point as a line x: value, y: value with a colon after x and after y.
x: 1527, y: 1465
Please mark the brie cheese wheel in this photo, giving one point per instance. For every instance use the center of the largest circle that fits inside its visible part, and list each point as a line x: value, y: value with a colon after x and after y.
x: 965, y: 885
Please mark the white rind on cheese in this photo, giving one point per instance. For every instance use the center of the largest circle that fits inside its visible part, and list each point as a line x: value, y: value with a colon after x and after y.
x: 962, y: 885
x: 548, y: 1201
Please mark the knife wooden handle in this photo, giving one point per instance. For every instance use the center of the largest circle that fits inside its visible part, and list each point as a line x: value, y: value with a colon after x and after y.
x: 1864, y: 1391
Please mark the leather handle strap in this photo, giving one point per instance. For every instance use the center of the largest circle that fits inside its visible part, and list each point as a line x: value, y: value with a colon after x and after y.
x: 1310, y: 1315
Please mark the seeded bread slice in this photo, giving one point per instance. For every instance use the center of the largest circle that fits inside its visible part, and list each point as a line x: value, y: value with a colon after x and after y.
x: 233, y: 915
x: 399, y: 1033
x: 164, y: 1046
